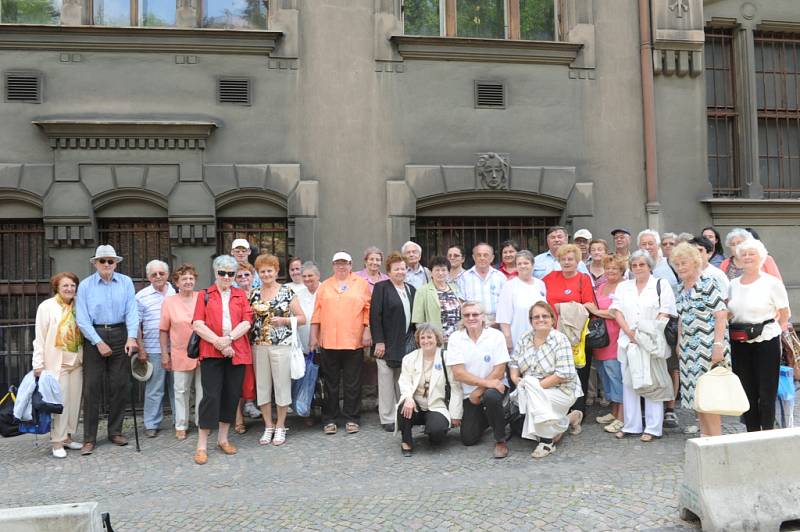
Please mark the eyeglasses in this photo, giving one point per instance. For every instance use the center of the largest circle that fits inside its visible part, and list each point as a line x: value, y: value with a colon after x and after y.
x: 243, y: 274
x: 223, y: 273
x: 106, y: 261
x: 472, y: 315
x: 158, y: 274
x: 540, y: 317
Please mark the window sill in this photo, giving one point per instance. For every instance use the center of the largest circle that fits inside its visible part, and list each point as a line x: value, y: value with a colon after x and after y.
x: 138, y: 40
x: 752, y: 211
x: 486, y: 50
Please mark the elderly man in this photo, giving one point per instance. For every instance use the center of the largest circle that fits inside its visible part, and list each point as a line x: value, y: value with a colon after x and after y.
x: 547, y: 262
x: 109, y: 320
x: 650, y: 241
x: 622, y: 242
x: 240, y: 250
x: 417, y: 274
x: 148, y: 302
x: 582, y: 238
x: 482, y: 282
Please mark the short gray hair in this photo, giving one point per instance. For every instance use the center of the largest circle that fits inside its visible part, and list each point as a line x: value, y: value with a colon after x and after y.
x: 154, y: 263
x: 224, y: 261
x: 642, y: 254
x: 684, y: 237
x: 525, y: 254
x: 736, y: 232
x: 409, y: 243
x: 668, y: 236
x: 372, y: 249
x: 650, y: 232
x: 751, y: 243
x: 310, y: 265
x: 471, y: 303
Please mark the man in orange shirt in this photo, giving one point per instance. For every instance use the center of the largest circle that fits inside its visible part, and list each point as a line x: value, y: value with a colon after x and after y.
x: 340, y: 328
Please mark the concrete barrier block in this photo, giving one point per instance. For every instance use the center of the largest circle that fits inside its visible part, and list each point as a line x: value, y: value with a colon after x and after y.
x: 77, y: 517
x: 747, y: 481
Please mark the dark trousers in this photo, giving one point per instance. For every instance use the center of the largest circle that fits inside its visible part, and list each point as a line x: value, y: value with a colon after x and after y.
x: 222, y: 387
x: 757, y: 365
x: 487, y: 414
x: 583, y: 375
x: 436, y: 425
x: 344, y: 365
x: 96, y: 368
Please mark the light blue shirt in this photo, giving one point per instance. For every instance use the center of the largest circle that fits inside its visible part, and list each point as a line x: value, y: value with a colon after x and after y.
x: 546, y: 262
x: 148, y: 303
x: 663, y: 271
x: 484, y: 290
x: 418, y: 278
x: 103, y: 303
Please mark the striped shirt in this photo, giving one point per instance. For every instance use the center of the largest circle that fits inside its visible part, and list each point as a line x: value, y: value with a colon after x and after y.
x: 149, y: 301
x: 553, y: 357
x: 484, y: 290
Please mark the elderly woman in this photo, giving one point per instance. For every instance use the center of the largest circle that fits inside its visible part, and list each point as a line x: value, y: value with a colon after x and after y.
x: 392, y: 334
x: 598, y: 251
x: 245, y: 274
x: 438, y: 302
x: 543, y: 370
x: 58, y: 349
x: 340, y: 327
x: 718, y: 255
x: 245, y: 277
x: 508, y: 262
x: 456, y: 257
x: 702, y: 330
x: 605, y: 358
x: 424, y: 399
x: 650, y: 241
x: 373, y: 261
x: 759, y: 311
x: 732, y: 267
x: 516, y: 298
x: 273, y: 306
x: 668, y: 243
x: 570, y: 285
x: 222, y: 324
x: 175, y: 329
x: 642, y: 298
x: 295, y: 268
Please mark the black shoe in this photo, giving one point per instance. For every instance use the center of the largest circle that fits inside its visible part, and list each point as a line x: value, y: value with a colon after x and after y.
x: 388, y: 427
x: 406, y: 452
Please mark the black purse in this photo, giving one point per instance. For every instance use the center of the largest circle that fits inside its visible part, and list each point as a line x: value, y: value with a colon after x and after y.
x: 596, y: 333
x: 193, y: 349
x: 446, y: 381
x: 671, y: 329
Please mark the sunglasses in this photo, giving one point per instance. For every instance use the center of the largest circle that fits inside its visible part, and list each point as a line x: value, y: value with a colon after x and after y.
x: 246, y: 274
x: 158, y: 274
x: 106, y: 261
x: 472, y: 315
x: 540, y: 317
x: 223, y: 273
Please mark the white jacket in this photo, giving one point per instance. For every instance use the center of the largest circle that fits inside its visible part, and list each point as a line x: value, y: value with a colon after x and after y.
x: 410, y: 377
x: 535, y: 405
x: 48, y: 387
x: 645, y: 361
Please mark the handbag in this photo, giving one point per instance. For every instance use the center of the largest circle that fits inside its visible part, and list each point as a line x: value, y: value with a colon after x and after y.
x: 297, y: 362
x: 742, y: 332
x: 447, y: 388
x: 719, y: 391
x: 303, y: 388
x: 671, y: 329
x: 193, y: 349
x: 597, y: 333
x: 579, y: 350
x: 9, y: 425
x: 791, y: 350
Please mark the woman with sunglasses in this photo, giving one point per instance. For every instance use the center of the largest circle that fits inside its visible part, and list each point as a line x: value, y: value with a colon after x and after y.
x: 543, y: 369
x: 222, y: 324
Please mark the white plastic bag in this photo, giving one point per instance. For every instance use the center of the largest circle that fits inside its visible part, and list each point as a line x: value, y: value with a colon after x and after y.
x: 298, y: 361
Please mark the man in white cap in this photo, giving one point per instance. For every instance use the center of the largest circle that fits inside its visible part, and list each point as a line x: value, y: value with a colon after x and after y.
x: 547, y: 262
x: 109, y: 320
x: 581, y: 238
x: 240, y: 250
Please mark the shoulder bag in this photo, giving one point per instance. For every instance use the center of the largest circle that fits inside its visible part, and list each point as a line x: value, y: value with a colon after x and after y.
x: 596, y: 332
x: 719, y: 391
x: 297, y: 363
x: 193, y: 349
x: 671, y: 329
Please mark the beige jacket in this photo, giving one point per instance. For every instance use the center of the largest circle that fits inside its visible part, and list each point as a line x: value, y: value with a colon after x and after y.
x: 411, y: 374
x: 45, y: 354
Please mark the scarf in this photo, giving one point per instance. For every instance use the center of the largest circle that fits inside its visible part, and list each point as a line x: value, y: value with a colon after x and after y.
x: 68, y: 336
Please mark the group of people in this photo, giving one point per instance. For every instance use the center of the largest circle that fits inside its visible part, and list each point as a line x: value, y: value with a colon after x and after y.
x: 484, y: 347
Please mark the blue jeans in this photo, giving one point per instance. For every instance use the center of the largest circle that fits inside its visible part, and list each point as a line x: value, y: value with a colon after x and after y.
x: 154, y: 393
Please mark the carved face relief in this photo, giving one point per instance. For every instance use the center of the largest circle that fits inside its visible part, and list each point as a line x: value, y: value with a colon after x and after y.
x: 493, y: 171
x: 679, y: 7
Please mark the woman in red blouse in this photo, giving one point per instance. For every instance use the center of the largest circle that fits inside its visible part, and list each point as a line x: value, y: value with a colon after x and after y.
x: 568, y: 284
x: 222, y: 325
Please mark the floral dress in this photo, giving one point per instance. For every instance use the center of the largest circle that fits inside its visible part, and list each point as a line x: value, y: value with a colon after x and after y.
x: 279, y: 307
x: 696, y: 307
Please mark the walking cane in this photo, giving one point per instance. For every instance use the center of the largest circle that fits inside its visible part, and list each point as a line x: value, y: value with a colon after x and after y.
x: 134, y: 389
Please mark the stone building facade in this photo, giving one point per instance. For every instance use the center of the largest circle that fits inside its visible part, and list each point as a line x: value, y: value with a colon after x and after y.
x: 310, y: 126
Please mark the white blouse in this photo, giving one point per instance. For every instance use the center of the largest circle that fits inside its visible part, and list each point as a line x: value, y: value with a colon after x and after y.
x: 645, y: 306
x: 758, y: 302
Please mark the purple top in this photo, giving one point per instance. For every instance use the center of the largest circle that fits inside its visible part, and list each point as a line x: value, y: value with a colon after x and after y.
x: 363, y: 274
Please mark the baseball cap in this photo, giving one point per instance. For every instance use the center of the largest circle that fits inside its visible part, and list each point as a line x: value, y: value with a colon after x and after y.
x: 342, y: 255
x: 240, y: 243
x: 582, y: 233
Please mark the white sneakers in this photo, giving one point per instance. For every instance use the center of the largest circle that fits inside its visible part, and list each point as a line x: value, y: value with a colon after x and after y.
x: 59, y: 452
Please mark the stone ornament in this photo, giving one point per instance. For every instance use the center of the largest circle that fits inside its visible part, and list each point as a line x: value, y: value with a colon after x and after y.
x: 493, y: 171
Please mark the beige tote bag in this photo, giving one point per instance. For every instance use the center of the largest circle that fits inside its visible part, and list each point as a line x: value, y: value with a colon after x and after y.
x: 720, y: 391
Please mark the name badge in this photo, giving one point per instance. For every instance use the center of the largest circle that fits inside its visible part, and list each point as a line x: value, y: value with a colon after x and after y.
x: 568, y: 291
x: 437, y: 366
x: 487, y: 358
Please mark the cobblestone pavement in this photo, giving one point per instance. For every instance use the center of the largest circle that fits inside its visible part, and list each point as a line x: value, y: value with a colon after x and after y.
x: 361, y: 481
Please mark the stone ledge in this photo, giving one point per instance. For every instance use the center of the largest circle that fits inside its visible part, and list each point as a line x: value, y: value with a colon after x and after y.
x: 138, y: 40
x: 486, y: 50
x: 744, y: 211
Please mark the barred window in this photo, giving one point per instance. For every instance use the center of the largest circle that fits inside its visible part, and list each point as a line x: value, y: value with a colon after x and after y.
x: 137, y: 242
x: 721, y: 113
x: 265, y: 236
x: 777, y: 66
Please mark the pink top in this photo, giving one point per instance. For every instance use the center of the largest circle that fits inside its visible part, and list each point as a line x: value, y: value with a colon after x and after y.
x: 176, y: 318
x: 610, y: 351
x: 364, y: 275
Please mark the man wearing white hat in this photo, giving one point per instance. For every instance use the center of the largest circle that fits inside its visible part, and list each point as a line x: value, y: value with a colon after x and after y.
x: 581, y: 238
x: 240, y: 250
x: 109, y: 320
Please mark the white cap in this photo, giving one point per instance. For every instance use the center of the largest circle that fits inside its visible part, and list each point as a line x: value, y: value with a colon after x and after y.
x: 342, y: 255
x: 240, y: 243
x: 582, y: 233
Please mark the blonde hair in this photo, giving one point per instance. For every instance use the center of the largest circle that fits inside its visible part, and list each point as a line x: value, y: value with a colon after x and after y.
x: 686, y: 251
x: 465, y: 304
x: 567, y: 249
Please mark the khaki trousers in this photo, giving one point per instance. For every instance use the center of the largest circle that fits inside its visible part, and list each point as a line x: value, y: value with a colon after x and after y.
x: 70, y: 380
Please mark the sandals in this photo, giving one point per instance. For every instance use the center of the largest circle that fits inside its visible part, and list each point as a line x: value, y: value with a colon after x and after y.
x: 647, y: 438
x: 406, y: 452
x: 620, y: 435
x: 614, y: 426
x: 266, y: 438
x: 351, y: 427
x: 575, y: 417
x: 280, y: 436
x: 543, y: 449
x: 330, y: 428
x: 240, y: 428
x: 200, y: 456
